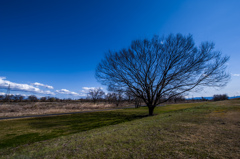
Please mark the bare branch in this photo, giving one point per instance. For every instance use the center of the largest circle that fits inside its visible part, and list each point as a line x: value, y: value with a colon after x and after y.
x: 163, y: 67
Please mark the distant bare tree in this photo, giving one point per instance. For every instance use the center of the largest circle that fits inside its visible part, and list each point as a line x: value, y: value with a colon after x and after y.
x: 21, y: 98
x: 156, y: 70
x: 18, y: 98
x: 137, y: 102
x: 51, y: 99
x: 43, y: 99
x: 218, y: 97
x: 32, y: 98
x: 96, y: 94
x: 118, y: 97
x: 131, y: 96
x: 2, y: 97
x: 204, y: 99
x: 9, y: 97
x: 178, y: 98
x: 109, y: 97
x: 57, y: 99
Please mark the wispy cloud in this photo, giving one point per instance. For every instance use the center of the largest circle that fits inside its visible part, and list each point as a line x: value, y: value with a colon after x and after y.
x: 1, y: 93
x: 237, y: 75
x: 65, y: 91
x: 43, y: 85
x: 4, y: 84
x: 86, y: 89
x: 83, y: 92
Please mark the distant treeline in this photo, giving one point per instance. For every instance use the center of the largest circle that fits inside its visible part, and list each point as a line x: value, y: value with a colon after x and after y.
x: 99, y: 96
x: 218, y: 97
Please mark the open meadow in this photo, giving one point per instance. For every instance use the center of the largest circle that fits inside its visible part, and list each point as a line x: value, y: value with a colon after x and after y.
x: 194, y: 130
x: 14, y: 109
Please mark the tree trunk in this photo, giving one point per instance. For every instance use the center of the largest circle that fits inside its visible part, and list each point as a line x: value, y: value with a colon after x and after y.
x: 150, y: 109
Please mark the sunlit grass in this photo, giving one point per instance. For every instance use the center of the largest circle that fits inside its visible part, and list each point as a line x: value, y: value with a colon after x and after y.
x: 25, y: 131
x: 175, y: 131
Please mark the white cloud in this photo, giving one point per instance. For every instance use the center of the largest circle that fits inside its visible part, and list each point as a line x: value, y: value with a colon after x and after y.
x: 86, y: 89
x: 43, y: 85
x: 237, y: 75
x: 65, y: 91
x: 49, y: 93
x: 22, y: 94
x: 1, y: 93
x: 4, y: 84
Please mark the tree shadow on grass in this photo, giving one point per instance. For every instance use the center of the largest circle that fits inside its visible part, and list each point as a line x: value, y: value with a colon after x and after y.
x: 52, y: 127
x: 83, y: 122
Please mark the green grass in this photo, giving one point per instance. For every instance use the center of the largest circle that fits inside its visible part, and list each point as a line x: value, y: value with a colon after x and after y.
x: 177, y: 131
x: 26, y: 131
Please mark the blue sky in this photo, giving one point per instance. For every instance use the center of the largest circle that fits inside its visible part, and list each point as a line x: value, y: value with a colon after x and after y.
x: 59, y: 43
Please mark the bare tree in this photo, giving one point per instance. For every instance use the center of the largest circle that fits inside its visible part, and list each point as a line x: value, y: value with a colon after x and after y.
x: 96, y: 94
x: 51, y: 99
x: 217, y: 97
x: 43, y: 99
x: 109, y: 97
x: 21, y: 98
x: 2, y: 97
x: 118, y: 97
x: 9, y: 97
x: 156, y: 70
x: 32, y: 98
x: 178, y: 98
x: 131, y: 96
x: 18, y: 98
x: 137, y: 102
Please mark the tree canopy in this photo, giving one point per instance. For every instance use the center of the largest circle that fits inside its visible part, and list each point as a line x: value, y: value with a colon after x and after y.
x: 161, y: 68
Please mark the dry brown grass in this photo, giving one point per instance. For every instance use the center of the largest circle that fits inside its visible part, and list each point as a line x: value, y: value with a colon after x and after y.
x: 206, y: 130
x: 38, y: 108
x: 217, y: 136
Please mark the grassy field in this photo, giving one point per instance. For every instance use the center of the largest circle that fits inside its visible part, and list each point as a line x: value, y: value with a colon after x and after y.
x: 38, y: 108
x: 197, y: 130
